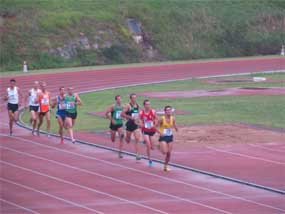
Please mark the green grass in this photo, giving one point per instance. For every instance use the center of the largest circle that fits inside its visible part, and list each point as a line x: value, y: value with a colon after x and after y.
x: 177, y: 29
x: 261, y: 110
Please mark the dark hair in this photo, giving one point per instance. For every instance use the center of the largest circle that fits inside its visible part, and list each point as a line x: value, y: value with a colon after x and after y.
x: 145, y: 101
x: 166, y: 107
x: 61, y: 87
x: 132, y: 94
x: 12, y: 80
x: 116, y: 97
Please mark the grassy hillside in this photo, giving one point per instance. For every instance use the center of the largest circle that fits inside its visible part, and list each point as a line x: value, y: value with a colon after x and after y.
x: 32, y: 30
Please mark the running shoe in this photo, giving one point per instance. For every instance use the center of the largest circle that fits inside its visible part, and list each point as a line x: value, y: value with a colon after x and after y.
x: 120, y: 155
x: 166, y: 168
x: 138, y: 157
x: 150, y: 164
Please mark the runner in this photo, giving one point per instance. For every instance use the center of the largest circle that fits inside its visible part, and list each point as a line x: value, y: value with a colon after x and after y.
x: 148, y: 123
x: 13, y: 97
x: 166, y: 124
x: 72, y: 100
x: 60, y: 102
x: 131, y: 113
x: 44, y: 105
x: 116, y: 122
x: 34, y: 105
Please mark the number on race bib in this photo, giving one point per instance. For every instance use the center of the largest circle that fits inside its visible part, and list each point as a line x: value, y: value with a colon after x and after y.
x: 148, y: 124
x: 70, y: 105
x: 167, y: 132
x: 118, y: 115
x: 62, y: 106
x: 45, y: 101
x: 135, y: 115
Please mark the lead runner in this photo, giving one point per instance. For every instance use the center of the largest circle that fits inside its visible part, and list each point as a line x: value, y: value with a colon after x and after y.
x: 166, y: 124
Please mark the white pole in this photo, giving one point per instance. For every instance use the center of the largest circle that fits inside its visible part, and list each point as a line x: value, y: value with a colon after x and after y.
x: 25, y: 67
x: 282, y: 51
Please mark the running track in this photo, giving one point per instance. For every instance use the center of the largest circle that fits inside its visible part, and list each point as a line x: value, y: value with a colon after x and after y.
x: 40, y: 176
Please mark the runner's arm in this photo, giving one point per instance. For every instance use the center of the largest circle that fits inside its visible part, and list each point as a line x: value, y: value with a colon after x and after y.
x: 20, y: 96
x: 124, y: 113
x: 54, y: 102
x: 108, y: 112
x: 174, y: 124
x: 78, y: 100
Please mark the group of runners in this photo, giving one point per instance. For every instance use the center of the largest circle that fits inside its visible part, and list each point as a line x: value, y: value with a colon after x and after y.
x: 39, y: 102
x: 141, y: 123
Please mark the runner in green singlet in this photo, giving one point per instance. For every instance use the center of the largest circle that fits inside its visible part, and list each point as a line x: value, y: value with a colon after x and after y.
x: 113, y: 113
x: 72, y: 101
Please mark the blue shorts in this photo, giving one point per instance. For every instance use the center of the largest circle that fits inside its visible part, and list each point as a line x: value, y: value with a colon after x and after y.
x: 61, y: 114
x: 167, y: 139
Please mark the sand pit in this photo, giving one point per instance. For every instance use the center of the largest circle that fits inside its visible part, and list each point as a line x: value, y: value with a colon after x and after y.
x: 226, y: 134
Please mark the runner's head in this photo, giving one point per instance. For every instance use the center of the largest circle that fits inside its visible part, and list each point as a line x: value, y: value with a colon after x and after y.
x: 61, y: 90
x: 12, y: 83
x: 70, y: 91
x: 118, y: 99
x: 168, y: 110
x: 133, y: 98
x: 146, y: 104
x: 36, y: 84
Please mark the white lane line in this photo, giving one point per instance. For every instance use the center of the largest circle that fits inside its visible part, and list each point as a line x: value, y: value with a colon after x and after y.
x: 246, y: 156
x: 118, y: 180
x: 47, y: 194
x: 81, y: 186
x: 266, y: 148
x: 18, y: 206
x: 145, y: 173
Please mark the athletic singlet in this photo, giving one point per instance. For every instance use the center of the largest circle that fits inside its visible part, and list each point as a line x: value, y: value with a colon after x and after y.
x: 134, y: 112
x: 44, y: 101
x: 166, y: 127
x: 61, y: 104
x: 33, y: 97
x: 13, y: 95
x: 71, y: 106
x: 116, y: 114
x: 148, y: 121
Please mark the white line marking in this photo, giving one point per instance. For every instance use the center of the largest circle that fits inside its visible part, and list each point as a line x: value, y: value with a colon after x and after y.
x: 81, y: 186
x: 47, y: 194
x: 243, y: 155
x: 146, y: 173
x: 18, y: 206
x: 266, y: 148
x: 118, y: 180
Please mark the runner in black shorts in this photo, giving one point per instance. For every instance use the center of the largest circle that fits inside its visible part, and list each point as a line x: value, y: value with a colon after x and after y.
x: 34, y: 105
x: 148, y: 124
x: 166, y: 124
x: 13, y: 97
x: 131, y: 113
x: 72, y: 101
x: 113, y: 113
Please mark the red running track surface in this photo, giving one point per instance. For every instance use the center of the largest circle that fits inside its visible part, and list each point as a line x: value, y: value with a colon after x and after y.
x: 41, y: 176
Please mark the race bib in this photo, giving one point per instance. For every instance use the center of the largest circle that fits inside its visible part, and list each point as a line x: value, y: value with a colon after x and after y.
x: 62, y: 106
x: 135, y: 115
x: 45, y: 101
x: 70, y: 105
x: 167, y: 132
x: 148, y: 124
x: 118, y: 115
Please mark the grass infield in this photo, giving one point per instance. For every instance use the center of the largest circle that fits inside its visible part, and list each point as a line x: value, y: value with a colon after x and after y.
x: 259, y: 110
